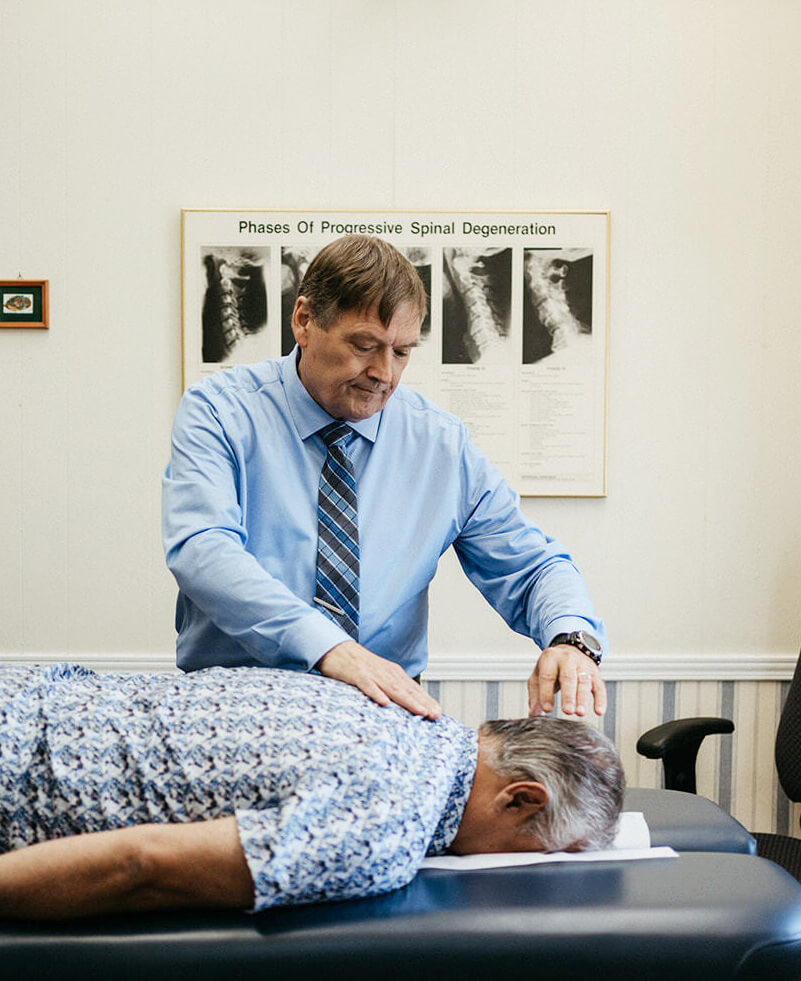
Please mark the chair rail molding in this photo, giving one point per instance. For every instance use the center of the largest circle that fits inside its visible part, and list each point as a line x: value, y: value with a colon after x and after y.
x: 623, y: 667
x: 483, y: 666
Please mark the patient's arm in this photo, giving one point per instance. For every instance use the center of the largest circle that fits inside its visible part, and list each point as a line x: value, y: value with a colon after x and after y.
x: 152, y: 866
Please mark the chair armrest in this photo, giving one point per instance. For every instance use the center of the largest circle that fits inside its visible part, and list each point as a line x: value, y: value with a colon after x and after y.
x: 676, y: 744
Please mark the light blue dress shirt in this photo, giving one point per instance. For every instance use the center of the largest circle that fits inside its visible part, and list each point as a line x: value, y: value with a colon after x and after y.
x: 240, y: 527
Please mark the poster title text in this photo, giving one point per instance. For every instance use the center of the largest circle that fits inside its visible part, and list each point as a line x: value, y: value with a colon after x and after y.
x: 418, y: 229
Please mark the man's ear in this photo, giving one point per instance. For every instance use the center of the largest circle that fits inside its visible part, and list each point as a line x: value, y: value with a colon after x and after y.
x: 526, y: 796
x: 301, y: 318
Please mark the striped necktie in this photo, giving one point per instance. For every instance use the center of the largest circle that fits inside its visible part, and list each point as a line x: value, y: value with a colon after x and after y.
x: 337, y: 590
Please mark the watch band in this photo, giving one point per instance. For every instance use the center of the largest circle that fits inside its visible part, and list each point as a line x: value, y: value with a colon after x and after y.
x: 582, y: 641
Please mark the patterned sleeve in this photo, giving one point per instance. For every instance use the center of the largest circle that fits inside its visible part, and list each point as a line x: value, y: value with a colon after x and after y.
x: 330, y: 838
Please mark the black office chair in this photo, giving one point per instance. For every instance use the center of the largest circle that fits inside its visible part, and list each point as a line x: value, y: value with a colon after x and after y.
x: 676, y: 744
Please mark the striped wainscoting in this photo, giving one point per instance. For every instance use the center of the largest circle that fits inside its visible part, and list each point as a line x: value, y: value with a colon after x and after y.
x: 737, y: 770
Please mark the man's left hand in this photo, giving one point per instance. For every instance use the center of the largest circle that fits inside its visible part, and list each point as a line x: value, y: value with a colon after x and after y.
x: 564, y: 668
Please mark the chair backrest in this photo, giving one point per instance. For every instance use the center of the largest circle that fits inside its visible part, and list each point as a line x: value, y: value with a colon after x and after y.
x: 788, y: 740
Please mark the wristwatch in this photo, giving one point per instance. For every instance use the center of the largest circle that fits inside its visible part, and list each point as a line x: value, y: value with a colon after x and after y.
x: 580, y: 639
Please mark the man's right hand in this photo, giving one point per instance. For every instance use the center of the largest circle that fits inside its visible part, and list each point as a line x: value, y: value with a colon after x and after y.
x: 382, y: 680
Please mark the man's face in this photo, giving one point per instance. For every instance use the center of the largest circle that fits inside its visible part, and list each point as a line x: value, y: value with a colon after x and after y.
x: 351, y: 368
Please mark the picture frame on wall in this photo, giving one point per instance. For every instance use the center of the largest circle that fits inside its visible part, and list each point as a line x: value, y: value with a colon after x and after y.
x: 515, y: 341
x: 24, y: 303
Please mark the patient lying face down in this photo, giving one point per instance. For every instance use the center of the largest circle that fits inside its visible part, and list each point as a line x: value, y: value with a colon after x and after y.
x: 255, y: 787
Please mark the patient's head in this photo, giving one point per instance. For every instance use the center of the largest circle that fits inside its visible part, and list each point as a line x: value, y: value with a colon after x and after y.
x: 542, y: 784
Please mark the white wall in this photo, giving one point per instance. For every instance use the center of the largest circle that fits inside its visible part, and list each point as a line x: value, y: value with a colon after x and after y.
x: 681, y: 117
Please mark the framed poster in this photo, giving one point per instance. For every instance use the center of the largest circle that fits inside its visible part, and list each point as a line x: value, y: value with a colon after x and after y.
x: 515, y: 341
x: 24, y: 303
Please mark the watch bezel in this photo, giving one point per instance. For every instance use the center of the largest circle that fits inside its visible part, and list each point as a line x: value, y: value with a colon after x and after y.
x: 576, y: 638
x: 589, y: 641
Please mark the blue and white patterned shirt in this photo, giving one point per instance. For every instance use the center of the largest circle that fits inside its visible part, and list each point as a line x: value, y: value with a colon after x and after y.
x: 334, y: 796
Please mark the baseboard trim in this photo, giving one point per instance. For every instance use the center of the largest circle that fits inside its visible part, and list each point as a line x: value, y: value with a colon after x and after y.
x: 488, y: 667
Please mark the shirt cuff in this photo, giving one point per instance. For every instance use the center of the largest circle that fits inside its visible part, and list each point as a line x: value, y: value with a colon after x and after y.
x: 310, y: 637
x: 257, y: 829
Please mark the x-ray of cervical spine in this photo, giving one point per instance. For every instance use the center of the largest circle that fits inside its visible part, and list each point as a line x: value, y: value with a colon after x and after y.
x: 235, y: 301
x: 476, y: 303
x: 557, y: 307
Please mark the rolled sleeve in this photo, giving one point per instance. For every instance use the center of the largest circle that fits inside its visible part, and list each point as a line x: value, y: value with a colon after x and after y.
x: 322, y: 844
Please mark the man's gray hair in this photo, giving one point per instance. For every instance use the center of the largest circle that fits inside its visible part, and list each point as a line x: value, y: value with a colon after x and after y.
x: 578, y: 766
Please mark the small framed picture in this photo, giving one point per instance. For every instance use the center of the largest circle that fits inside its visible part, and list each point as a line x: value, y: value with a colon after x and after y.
x: 23, y: 303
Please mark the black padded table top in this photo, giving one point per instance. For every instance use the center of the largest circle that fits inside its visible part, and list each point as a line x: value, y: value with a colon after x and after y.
x: 699, y: 917
x: 687, y: 822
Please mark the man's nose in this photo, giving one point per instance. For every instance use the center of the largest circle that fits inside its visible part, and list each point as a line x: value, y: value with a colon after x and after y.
x: 380, y: 366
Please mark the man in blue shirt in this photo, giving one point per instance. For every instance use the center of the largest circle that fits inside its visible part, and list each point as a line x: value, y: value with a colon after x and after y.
x: 255, y: 787
x: 240, y: 514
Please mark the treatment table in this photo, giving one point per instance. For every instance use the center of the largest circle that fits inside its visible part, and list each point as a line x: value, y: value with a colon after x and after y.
x: 711, y: 915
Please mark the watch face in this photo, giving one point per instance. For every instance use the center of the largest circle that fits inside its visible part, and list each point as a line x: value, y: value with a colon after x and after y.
x: 589, y: 641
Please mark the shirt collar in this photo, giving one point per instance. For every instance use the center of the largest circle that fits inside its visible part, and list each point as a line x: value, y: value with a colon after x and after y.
x: 453, y: 812
x: 307, y: 415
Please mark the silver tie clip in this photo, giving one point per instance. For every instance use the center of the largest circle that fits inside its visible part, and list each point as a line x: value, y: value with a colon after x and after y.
x: 329, y: 606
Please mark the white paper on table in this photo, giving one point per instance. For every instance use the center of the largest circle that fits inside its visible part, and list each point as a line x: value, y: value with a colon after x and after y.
x: 632, y: 843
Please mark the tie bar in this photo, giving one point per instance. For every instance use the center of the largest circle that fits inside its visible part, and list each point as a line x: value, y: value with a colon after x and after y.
x: 329, y: 606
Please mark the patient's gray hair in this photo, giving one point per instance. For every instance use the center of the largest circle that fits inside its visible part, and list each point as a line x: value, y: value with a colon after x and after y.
x: 578, y: 766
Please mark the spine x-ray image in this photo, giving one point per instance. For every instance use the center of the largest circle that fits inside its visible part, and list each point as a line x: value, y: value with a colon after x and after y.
x: 476, y: 303
x: 557, y: 303
x: 235, y: 300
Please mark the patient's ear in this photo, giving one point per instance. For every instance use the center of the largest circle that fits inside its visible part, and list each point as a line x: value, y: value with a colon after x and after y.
x: 527, y: 796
